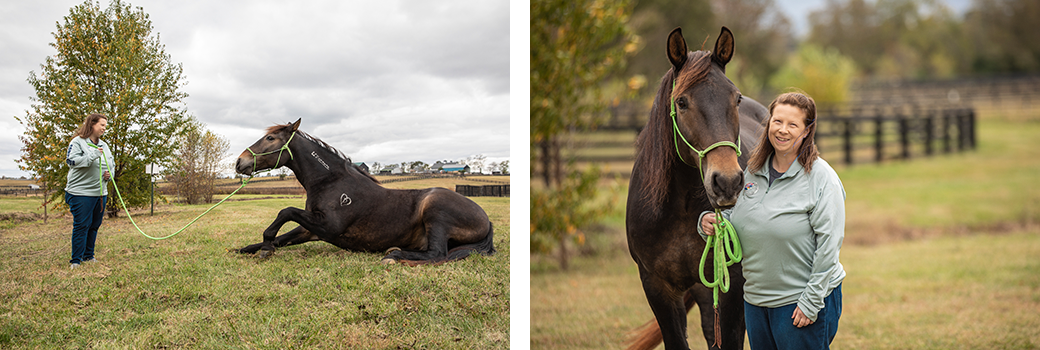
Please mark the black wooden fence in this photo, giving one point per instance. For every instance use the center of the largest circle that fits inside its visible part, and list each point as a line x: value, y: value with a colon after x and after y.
x: 483, y: 191
x: 859, y: 133
x: 875, y: 134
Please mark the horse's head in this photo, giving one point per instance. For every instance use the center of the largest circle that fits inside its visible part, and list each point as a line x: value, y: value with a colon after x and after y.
x: 269, y: 152
x: 706, y: 121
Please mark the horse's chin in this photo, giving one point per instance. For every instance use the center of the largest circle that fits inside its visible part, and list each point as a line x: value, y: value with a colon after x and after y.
x: 722, y: 205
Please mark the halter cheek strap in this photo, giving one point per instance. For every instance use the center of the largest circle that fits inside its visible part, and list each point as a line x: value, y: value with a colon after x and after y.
x: 285, y: 147
x: 700, y: 154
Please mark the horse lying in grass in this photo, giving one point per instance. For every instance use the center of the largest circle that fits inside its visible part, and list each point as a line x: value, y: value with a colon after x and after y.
x: 351, y: 210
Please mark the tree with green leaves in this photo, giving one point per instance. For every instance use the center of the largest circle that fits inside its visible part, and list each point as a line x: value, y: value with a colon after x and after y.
x: 198, y: 164
x: 575, y: 47
x: 824, y: 74
x: 109, y: 62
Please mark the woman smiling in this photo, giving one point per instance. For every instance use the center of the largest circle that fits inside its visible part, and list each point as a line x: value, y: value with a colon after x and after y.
x: 791, y: 222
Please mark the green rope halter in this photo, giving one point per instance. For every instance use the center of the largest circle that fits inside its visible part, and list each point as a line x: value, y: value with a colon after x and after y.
x: 700, y: 154
x: 285, y: 147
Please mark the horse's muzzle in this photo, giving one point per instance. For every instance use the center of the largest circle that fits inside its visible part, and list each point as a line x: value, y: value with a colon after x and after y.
x: 723, y: 189
x: 244, y: 166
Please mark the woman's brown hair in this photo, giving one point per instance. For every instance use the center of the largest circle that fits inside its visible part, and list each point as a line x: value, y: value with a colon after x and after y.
x: 807, y: 152
x: 87, y: 128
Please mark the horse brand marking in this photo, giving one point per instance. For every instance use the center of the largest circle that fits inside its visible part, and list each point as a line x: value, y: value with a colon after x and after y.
x: 315, y: 154
x: 344, y: 200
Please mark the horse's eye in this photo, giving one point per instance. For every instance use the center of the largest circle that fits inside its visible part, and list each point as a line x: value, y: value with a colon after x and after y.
x: 738, y: 100
x: 682, y: 103
x: 270, y: 138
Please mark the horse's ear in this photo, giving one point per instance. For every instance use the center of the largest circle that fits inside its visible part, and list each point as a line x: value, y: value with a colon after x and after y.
x: 677, y: 49
x: 723, y: 48
x: 296, y: 124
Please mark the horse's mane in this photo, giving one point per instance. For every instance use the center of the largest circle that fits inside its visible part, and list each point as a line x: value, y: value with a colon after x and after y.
x: 322, y: 144
x: 656, y: 146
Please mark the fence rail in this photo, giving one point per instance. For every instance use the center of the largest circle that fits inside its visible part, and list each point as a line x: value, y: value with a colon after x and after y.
x: 875, y: 136
x: 483, y: 191
x: 847, y: 133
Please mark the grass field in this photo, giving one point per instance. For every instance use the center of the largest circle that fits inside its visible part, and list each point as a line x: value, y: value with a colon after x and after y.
x: 189, y: 292
x: 941, y: 253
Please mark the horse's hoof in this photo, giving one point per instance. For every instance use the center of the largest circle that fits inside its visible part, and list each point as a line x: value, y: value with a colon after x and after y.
x: 264, y: 254
x: 388, y: 261
x: 392, y: 249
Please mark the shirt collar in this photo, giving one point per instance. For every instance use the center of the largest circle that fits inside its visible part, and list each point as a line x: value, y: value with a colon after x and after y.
x: 793, y: 170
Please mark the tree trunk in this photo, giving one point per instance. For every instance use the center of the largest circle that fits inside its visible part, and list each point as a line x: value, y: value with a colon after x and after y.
x: 563, y: 252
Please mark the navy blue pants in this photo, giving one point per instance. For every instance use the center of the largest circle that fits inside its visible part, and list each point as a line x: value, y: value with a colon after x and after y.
x: 87, y: 213
x: 773, y: 328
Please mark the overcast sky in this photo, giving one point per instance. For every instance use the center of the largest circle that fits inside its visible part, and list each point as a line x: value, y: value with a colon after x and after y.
x: 383, y: 81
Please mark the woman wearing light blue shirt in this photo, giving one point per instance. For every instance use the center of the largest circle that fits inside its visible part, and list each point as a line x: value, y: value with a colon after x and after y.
x: 790, y: 219
x: 84, y: 192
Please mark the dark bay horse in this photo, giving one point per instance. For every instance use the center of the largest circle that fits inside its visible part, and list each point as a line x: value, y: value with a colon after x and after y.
x: 672, y: 184
x: 351, y: 210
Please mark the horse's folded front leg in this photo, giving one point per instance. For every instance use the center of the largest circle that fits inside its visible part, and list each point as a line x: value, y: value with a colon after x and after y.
x: 303, y: 217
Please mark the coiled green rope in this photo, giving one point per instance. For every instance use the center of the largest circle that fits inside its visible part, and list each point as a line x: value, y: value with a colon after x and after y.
x: 726, y: 247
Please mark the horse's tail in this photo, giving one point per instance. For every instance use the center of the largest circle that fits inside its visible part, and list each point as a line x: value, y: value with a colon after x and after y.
x: 484, y: 247
x: 648, y: 336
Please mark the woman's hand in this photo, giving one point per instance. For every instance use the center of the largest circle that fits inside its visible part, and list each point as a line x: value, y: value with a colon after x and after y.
x: 708, y: 224
x: 106, y: 176
x: 800, y: 320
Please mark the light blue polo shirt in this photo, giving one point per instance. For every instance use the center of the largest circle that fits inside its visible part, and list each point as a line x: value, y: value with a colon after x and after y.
x: 791, y: 233
x: 85, y: 167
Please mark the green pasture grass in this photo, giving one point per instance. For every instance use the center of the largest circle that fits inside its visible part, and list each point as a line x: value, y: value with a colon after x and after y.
x: 190, y: 292
x: 978, y: 291
x: 992, y: 186
x: 21, y: 205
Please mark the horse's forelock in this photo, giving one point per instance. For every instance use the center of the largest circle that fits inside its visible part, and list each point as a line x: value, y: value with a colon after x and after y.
x: 697, y: 68
x: 274, y: 129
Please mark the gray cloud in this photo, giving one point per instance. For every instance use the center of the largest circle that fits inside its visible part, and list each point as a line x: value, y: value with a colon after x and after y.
x: 382, y: 81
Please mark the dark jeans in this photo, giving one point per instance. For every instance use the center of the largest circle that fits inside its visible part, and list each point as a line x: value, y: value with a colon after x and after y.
x: 770, y: 328
x: 87, y: 213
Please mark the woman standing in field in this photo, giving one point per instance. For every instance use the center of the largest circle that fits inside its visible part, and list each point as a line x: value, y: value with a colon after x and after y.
x: 790, y: 220
x: 84, y: 192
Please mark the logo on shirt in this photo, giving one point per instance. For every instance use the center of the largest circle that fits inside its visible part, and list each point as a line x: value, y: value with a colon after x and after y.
x: 750, y: 189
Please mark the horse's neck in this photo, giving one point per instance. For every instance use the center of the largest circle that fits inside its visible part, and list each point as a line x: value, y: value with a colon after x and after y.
x: 686, y: 182
x: 309, y: 165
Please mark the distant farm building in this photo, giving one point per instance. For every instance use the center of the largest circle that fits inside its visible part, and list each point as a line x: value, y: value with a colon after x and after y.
x: 454, y: 168
x: 363, y: 166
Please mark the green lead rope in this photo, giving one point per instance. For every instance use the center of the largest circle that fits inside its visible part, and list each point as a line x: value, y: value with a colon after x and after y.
x: 245, y: 181
x: 113, y: 179
x: 727, y: 251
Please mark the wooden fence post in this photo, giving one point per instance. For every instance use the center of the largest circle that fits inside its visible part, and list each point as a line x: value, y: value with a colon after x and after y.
x: 879, y: 134
x: 847, y: 136
x: 946, y: 131
x: 904, y: 135
x: 971, y: 136
x: 929, y: 132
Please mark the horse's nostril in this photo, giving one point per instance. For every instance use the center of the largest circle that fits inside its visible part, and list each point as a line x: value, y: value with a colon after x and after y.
x: 727, y: 185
